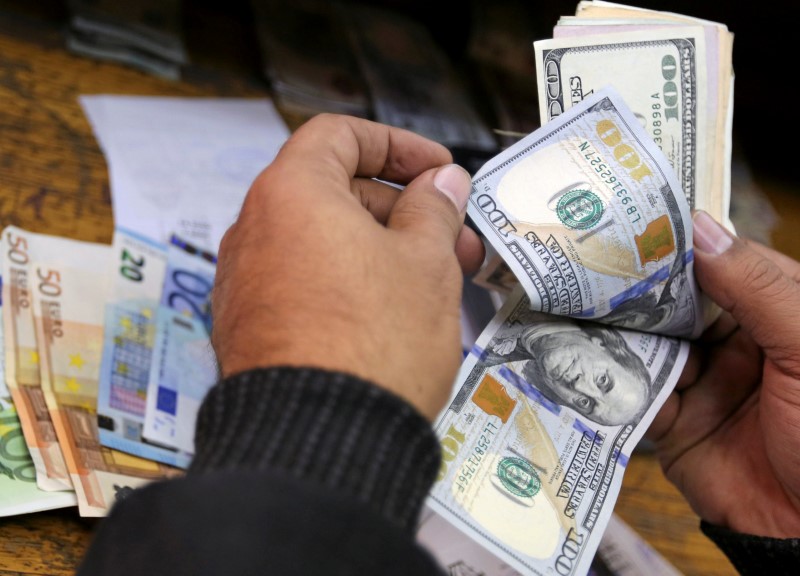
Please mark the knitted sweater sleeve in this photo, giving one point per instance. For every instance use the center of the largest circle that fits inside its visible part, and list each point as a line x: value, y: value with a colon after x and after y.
x: 297, y: 471
x: 756, y: 555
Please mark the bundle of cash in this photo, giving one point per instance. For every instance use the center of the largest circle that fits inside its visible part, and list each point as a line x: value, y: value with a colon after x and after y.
x: 548, y: 405
x: 589, y: 222
x: 674, y: 71
x: 108, y: 356
x: 145, y: 34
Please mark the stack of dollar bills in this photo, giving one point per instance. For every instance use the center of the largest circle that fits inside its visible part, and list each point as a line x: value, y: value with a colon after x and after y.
x: 588, y: 220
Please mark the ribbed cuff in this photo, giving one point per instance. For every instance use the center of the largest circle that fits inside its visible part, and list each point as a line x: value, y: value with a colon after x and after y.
x: 756, y: 555
x: 323, y: 427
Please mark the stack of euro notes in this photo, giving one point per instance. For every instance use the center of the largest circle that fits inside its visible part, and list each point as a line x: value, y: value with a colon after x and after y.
x: 107, y: 357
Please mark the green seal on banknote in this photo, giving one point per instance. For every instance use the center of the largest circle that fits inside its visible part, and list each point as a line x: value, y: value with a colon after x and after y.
x: 579, y: 209
x: 518, y: 477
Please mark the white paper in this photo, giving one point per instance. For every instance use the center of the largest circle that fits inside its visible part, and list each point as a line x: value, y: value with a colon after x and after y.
x: 183, y: 165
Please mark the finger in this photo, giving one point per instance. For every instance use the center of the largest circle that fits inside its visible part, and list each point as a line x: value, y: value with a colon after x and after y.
x: 434, y: 205
x: 754, y: 289
x: 377, y: 197
x: 692, y: 368
x: 665, y: 418
x: 344, y: 147
x: 470, y: 251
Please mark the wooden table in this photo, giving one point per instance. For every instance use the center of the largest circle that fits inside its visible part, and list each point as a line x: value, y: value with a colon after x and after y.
x: 53, y: 179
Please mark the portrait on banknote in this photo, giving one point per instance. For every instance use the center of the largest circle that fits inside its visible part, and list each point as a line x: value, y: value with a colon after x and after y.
x: 584, y: 366
x: 543, y: 417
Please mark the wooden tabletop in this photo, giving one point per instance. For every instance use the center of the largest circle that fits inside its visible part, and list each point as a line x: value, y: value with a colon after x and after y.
x: 53, y: 179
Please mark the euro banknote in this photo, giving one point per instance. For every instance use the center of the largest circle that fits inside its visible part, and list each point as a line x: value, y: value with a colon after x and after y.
x: 137, y: 271
x: 20, y: 251
x: 537, y: 434
x: 68, y: 307
x: 18, y: 491
x: 589, y: 215
x: 184, y: 365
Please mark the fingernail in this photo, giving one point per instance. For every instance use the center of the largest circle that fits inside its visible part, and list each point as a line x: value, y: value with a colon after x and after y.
x: 455, y: 183
x: 709, y: 236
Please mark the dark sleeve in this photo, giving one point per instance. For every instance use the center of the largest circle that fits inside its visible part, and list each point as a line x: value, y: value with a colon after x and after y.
x: 297, y: 472
x: 756, y: 555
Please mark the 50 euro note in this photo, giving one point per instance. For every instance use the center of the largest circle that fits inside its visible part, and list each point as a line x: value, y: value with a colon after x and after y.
x: 537, y: 434
x: 20, y: 249
x: 588, y: 214
x: 137, y: 270
x: 184, y: 365
x: 68, y: 307
x: 18, y: 491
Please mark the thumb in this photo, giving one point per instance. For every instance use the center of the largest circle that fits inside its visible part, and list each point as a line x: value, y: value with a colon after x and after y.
x: 754, y: 289
x: 434, y: 204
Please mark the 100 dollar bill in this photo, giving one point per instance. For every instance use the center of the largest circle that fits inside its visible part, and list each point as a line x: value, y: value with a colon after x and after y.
x: 661, y: 74
x: 590, y: 217
x: 545, y: 413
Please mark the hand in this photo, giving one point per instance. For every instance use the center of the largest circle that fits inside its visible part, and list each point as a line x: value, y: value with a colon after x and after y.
x: 729, y: 436
x: 327, y: 267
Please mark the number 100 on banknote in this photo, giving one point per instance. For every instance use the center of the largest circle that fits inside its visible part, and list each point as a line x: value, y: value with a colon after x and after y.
x: 590, y: 216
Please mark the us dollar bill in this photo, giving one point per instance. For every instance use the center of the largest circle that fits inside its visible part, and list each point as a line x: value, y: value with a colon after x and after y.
x: 537, y: 434
x: 662, y: 75
x: 589, y: 216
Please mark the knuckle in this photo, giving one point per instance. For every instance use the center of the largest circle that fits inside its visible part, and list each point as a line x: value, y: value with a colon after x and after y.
x: 760, y: 275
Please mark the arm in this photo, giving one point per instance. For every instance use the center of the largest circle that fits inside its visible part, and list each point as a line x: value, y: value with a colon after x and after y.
x: 298, y: 471
x: 336, y: 327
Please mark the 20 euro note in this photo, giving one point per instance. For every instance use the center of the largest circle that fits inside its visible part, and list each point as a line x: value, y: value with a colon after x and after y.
x: 184, y: 366
x: 590, y: 217
x: 138, y: 266
x: 536, y: 437
x: 68, y: 307
x: 20, y: 250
